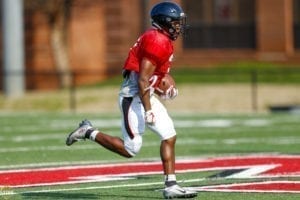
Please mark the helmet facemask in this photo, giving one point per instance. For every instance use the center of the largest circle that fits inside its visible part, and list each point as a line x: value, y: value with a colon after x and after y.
x: 177, y: 27
x: 173, y: 27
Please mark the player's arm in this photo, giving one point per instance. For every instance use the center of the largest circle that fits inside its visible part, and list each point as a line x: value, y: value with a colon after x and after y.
x: 146, y: 71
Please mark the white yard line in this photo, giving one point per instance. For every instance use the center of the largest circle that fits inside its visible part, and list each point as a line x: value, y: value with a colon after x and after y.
x: 107, y: 123
x: 37, y: 137
x: 115, y: 123
x: 212, y: 188
x: 11, y: 192
x: 229, y: 141
x: 46, y: 148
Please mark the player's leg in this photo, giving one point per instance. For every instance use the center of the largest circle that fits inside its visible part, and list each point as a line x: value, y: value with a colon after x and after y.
x: 114, y: 144
x: 167, y: 154
x: 87, y: 131
x: 164, y: 127
x: 132, y: 126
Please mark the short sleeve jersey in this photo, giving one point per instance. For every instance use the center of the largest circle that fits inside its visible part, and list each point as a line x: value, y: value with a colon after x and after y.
x: 156, y: 47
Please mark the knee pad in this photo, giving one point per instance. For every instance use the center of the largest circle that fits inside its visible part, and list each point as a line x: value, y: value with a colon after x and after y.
x: 134, y: 145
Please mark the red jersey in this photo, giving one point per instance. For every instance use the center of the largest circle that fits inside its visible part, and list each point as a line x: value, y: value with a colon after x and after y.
x: 155, y: 46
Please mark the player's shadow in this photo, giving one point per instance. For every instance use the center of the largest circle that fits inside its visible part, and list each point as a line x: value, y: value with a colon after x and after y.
x: 59, y: 195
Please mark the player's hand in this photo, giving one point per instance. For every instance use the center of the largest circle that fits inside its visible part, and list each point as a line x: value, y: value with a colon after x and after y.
x: 171, y: 93
x: 149, y: 117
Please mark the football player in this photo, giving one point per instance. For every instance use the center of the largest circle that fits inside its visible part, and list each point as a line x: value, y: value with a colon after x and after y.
x: 149, y: 57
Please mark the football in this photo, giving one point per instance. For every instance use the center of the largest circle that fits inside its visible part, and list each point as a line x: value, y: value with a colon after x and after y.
x: 165, y: 84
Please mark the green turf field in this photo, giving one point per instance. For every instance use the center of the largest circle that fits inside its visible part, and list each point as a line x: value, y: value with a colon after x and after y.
x: 37, y: 140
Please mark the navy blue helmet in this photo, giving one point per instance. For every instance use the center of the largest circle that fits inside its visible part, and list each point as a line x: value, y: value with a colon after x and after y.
x: 168, y: 17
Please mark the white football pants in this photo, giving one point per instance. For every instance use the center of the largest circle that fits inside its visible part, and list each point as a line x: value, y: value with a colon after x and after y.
x: 133, y: 122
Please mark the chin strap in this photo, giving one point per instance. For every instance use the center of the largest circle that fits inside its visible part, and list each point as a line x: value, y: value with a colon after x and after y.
x: 155, y: 25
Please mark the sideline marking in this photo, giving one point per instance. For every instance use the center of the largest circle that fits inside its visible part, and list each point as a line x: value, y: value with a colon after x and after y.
x: 261, y: 187
x: 214, y: 188
x: 259, y: 166
x: 252, y: 167
x: 97, y: 187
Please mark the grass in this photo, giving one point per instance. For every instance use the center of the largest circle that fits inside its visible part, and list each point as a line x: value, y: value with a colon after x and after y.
x: 31, y: 139
x: 239, y: 72
x: 35, y: 139
x: 235, y: 72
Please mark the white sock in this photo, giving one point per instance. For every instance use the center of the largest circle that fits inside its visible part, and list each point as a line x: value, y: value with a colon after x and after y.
x: 170, y: 180
x: 93, y: 135
x: 170, y: 177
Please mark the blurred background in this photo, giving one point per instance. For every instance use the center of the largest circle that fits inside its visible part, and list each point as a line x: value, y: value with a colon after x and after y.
x: 67, y: 55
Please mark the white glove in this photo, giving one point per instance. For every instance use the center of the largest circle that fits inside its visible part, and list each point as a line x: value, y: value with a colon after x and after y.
x: 149, y: 117
x: 171, y: 93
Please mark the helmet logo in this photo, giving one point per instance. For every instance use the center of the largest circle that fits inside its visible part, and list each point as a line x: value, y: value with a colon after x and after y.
x: 172, y: 10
